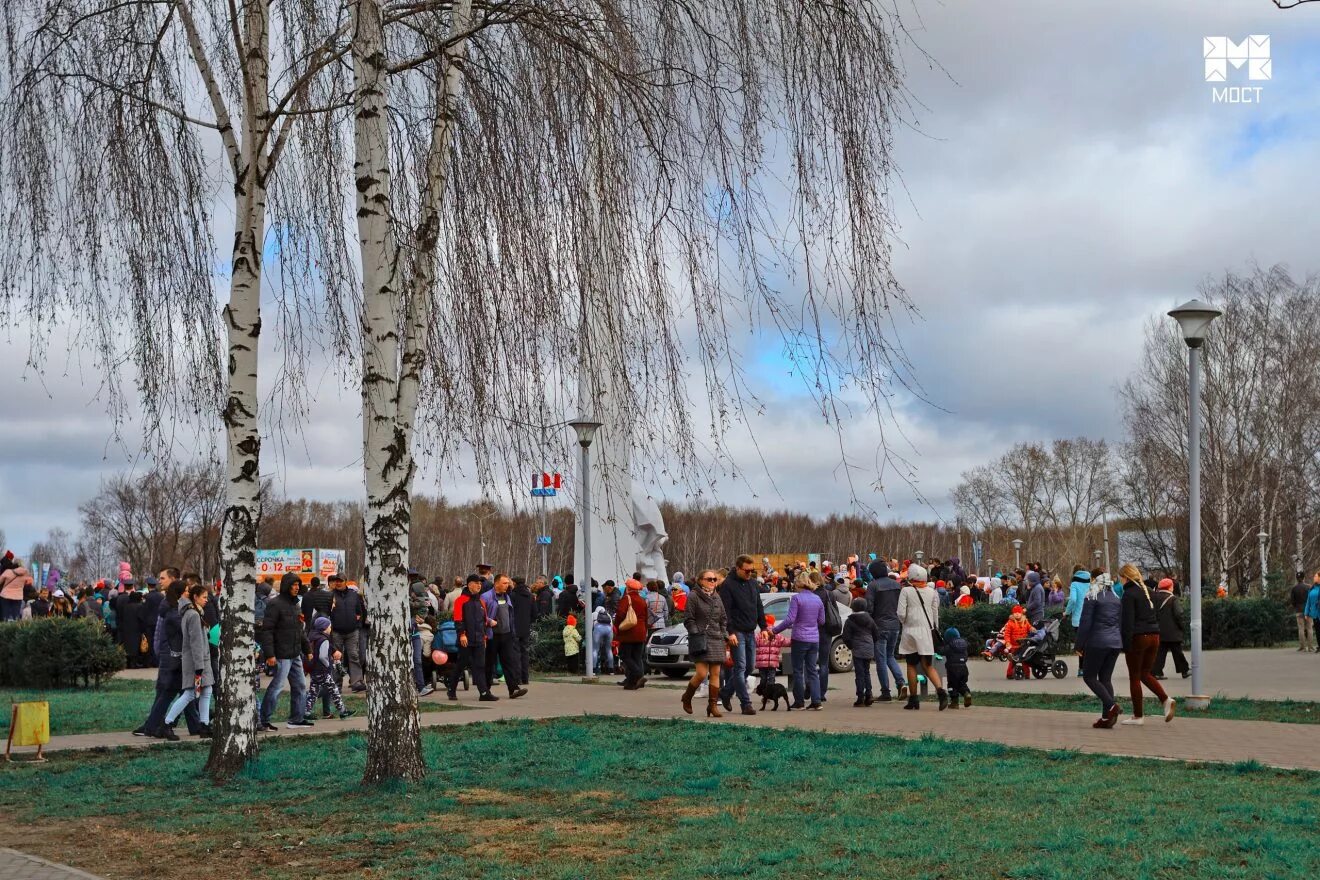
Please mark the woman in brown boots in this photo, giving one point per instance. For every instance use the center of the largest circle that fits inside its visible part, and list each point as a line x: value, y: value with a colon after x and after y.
x: 708, y: 639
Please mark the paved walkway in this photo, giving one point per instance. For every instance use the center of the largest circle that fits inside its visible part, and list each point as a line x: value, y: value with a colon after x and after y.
x: 1259, y: 673
x: 1187, y: 738
x: 15, y: 865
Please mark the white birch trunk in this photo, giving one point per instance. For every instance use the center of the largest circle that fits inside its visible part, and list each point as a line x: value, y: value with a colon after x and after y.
x: 393, y: 736
x: 234, y: 739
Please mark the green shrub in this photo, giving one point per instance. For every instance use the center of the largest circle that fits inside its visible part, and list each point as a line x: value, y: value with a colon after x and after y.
x: 547, y: 650
x: 1226, y: 623
x: 1242, y: 623
x: 57, y: 652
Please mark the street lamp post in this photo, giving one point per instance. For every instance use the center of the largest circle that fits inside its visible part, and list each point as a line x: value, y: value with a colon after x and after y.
x: 1017, y: 552
x: 1263, y: 536
x: 990, y: 567
x: 1194, y: 319
x: 586, y: 429
x: 920, y: 554
x: 1096, y: 555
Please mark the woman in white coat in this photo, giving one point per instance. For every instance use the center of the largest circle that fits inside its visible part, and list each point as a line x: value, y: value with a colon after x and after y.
x: 919, y: 613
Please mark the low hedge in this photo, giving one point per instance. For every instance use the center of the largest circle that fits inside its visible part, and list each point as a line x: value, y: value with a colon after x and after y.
x: 1225, y: 623
x: 57, y: 652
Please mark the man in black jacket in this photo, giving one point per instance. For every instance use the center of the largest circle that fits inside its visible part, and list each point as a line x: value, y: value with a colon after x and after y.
x: 151, y: 607
x: 746, y: 614
x: 347, y: 615
x: 316, y: 603
x: 545, y: 599
x: 524, y: 610
x: 284, y: 642
x: 472, y: 640
x: 882, y: 604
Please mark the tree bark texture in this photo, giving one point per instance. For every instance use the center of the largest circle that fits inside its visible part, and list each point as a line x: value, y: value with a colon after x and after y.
x: 393, y: 736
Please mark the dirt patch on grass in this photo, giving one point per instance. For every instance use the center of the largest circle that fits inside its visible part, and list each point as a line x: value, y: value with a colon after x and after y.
x: 130, y: 849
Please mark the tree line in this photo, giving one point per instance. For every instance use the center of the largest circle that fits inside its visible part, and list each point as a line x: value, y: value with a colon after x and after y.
x: 1260, y: 458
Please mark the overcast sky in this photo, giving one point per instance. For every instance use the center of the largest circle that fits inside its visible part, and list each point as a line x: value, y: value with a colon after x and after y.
x: 1071, y: 179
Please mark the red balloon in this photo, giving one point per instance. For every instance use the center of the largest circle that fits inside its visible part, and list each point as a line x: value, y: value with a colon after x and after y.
x: 439, y: 658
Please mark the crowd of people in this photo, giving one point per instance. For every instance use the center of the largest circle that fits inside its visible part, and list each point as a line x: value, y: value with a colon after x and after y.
x: 477, y: 631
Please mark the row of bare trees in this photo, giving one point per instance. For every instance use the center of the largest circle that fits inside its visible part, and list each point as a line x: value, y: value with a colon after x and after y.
x: 1260, y: 458
x: 170, y: 515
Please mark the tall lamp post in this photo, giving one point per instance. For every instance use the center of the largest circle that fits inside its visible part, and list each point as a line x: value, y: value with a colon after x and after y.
x: 1096, y: 555
x: 1017, y: 552
x: 1194, y: 318
x: 586, y: 429
x: 1263, y: 537
x: 920, y: 554
x: 990, y: 567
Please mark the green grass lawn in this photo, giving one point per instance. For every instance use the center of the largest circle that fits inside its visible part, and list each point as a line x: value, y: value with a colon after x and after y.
x: 122, y: 704
x: 1289, y: 711
x: 595, y: 798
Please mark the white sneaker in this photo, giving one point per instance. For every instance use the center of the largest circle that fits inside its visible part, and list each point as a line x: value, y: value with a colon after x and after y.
x: 1135, y: 722
x: 1168, y: 709
x: 426, y: 691
x: 702, y: 692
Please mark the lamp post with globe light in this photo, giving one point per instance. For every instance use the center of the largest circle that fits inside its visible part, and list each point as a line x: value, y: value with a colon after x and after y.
x: 1194, y: 320
x: 1017, y: 552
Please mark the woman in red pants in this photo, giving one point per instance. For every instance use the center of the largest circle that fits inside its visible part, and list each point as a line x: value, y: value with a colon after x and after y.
x: 1141, y: 642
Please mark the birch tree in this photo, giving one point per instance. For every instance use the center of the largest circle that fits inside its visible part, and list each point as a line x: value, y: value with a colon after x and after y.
x: 119, y: 115
x: 521, y: 164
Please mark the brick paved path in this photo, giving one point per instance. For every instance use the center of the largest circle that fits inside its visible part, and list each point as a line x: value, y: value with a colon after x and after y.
x: 15, y: 865
x: 1186, y: 738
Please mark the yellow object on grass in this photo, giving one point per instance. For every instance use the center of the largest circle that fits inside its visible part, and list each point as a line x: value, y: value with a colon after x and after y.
x: 30, y: 724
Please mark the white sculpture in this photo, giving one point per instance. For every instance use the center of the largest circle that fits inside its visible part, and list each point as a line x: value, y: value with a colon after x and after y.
x: 648, y: 529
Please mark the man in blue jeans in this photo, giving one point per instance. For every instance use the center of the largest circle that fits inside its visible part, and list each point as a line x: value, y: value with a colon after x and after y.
x: 882, y: 604
x: 746, y: 614
x: 284, y: 644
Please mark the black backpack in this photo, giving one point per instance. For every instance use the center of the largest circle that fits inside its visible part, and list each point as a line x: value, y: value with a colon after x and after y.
x: 833, y: 622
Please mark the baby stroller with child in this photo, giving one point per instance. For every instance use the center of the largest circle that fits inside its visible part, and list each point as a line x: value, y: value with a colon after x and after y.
x: 1037, y: 656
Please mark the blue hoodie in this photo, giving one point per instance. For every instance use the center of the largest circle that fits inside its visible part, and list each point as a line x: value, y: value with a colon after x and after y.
x: 1077, y: 590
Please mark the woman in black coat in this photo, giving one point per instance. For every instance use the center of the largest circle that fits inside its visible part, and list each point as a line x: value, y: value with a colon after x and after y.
x: 1171, y: 631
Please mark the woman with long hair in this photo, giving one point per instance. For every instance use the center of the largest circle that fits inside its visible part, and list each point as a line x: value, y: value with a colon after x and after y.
x: 708, y: 636
x: 1141, y: 642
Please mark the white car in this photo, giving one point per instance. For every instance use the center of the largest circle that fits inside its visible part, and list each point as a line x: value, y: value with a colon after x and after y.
x: 667, y: 650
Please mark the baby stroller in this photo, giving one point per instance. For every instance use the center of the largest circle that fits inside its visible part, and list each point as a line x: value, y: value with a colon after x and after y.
x: 446, y: 639
x: 1037, y: 656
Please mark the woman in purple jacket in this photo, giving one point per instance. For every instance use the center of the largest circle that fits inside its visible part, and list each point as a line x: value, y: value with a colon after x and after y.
x: 806, y: 616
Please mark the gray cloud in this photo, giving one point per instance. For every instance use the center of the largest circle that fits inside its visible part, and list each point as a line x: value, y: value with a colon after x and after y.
x: 1071, y: 180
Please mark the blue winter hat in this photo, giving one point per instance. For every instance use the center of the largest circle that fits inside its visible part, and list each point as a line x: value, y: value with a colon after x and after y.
x: 952, y: 633
x: 321, y: 624
x: 1082, y: 575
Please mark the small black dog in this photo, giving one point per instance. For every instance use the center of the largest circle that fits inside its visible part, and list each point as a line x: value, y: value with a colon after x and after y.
x: 775, y: 691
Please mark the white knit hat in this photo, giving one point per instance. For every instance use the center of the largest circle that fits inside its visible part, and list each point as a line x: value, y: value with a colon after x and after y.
x: 916, y: 573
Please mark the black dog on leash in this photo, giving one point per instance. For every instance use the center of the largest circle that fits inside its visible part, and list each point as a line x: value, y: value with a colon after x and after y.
x: 773, y: 691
